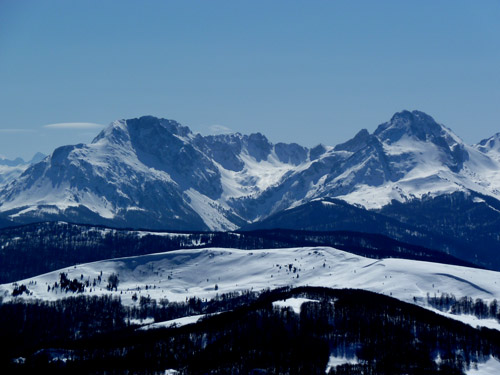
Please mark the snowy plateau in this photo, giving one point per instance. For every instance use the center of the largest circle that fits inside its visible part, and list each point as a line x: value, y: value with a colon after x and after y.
x: 155, y: 173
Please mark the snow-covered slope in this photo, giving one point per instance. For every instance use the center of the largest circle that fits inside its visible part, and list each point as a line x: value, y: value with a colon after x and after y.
x: 490, y: 146
x: 155, y: 173
x: 150, y: 172
x: 406, y: 158
x: 203, y: 273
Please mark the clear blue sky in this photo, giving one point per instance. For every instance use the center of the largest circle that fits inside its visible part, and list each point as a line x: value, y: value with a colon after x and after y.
x: 298, y: 71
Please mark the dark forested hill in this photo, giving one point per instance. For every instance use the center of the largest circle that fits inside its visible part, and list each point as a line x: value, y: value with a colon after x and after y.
x: 250, y: 335
x: 464, y: 225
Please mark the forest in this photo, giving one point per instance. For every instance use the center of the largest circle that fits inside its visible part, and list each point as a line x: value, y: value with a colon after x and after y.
x: 242, y: 333
x: 465, y: 305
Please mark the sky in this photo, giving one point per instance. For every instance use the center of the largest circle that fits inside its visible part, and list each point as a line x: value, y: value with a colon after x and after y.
x: 308, y: 72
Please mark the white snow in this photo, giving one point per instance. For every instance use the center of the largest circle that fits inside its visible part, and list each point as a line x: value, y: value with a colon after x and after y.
x: 255, y: 177
x: 338, y: 361
x: 8, y: 173
x: 179, y: 322
x: 203, y: 273
x: 142, y: 321
x: 210, y: 211
x: 490, y: 367
x: 426, y: 174
x: 472, y: 320
x: 326, y: 203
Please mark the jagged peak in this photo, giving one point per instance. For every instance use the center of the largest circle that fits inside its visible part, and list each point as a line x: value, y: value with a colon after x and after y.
x: 490, y: 145
x: 258, y: 146
x: 122, y: 131
x: 418, y: 125
x: 37, y: 157
x: 152, y: 127
x: 359, y: 141
x: 411, y: 123
x: 116, y: 130
x: 317, y: 151
x: 491, y: 141
x: 223, y: 137
x: 152, y: 122
x: 412, y: 115
x: 257, y: 137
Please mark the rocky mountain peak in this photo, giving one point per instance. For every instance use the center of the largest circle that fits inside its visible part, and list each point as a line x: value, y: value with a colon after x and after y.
x: 415, y: 124
x: 490, y: 146
x: 355, y: 144
x: 491, y: 143
x: 258, y: 146
x: 145, y: 124
x: 141, y: 130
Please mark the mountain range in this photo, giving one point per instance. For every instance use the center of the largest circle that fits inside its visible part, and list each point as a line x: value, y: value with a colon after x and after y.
x: 157, y: 174
x: 154, y: 245
x: 12, y: 169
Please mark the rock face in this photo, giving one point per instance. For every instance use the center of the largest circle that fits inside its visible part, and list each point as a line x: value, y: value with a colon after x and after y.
x: 155, y: 173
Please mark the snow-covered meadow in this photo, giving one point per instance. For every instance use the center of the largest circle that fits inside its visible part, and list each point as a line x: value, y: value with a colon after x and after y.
x: 204, y: 273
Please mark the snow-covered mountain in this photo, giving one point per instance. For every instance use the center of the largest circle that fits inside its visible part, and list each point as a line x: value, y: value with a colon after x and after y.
x: 462, y: 224
x: 155, y: 173
x: 408, y: 157
x: 12, y: 169
x: 203, y: 273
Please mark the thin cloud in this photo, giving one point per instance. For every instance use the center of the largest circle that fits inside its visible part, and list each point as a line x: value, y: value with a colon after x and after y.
x: 74, y: 125
x: 220, y: 129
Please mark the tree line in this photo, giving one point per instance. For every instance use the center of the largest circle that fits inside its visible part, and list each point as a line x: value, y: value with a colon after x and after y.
x: 465, y: 306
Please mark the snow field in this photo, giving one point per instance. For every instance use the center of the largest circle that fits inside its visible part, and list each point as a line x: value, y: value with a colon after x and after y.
x: 204, y: 273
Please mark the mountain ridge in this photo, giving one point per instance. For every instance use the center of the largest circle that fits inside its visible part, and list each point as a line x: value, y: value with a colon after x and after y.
x: 156, y: 173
